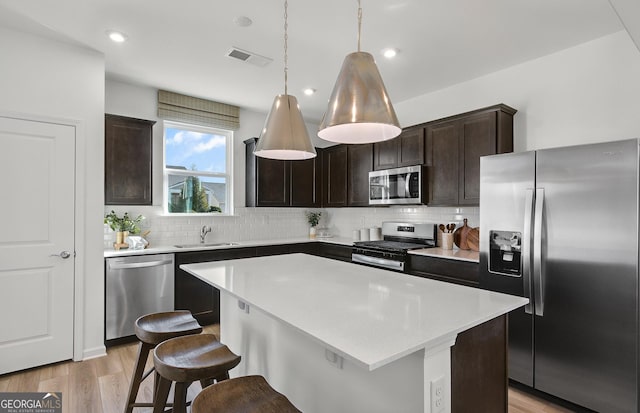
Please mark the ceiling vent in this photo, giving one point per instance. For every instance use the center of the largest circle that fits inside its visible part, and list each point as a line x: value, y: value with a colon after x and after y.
x: 249, y: 57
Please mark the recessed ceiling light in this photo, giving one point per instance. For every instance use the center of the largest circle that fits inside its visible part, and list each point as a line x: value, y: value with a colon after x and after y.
x: 117, y: 36
x: 243, y: 21
x: 390, y: 53
x: 309, y: 91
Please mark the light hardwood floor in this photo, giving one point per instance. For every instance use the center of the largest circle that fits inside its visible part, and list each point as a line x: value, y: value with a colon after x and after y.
x: 100, y: 385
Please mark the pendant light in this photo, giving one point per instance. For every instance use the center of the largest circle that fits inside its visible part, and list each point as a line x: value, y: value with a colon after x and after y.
x: 285, y: 135
x: 359, y: 110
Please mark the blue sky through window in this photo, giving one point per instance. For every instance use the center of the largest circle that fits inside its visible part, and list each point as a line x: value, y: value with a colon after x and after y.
x: 195, y: 150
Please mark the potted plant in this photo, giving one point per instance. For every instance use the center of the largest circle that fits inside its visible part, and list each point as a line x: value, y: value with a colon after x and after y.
x: 123, y: 226
x: 313, y: 218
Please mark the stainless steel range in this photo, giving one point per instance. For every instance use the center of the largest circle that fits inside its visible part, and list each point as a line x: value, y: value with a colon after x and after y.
x: 398, y: 239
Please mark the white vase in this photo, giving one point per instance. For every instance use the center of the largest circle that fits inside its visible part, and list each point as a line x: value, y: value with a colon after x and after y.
x: 312, y: 232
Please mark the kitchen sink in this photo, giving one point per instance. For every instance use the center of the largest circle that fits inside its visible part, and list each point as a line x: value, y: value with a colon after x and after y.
x: 206, y: 244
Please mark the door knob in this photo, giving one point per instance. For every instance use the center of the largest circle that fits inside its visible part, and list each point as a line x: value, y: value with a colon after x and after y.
x: 63, y: 254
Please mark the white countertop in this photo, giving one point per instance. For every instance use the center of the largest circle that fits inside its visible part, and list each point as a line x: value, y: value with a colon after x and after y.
x: 454, y: 254
x: 108, y: 253
x: 368, y: 315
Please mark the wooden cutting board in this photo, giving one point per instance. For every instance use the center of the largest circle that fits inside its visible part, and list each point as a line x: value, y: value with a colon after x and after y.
x: 473, y: 239
x: 460, y: 236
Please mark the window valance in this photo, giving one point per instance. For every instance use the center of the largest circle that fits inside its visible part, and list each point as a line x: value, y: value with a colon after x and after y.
x: 181, y: 108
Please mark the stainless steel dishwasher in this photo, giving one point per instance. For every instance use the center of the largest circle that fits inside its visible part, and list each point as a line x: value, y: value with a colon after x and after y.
x: 135, y: 286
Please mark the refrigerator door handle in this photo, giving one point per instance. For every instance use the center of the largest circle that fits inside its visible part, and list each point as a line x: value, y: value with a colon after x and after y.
x: 526, y: 249
x: 538, y: 275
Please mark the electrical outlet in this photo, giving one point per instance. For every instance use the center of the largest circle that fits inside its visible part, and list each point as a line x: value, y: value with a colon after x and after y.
x: 437, y: 395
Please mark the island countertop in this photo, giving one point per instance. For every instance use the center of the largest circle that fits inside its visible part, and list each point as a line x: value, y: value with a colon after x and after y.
x: 368, y: 315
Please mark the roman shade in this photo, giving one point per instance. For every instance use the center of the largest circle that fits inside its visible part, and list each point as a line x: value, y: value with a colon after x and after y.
x: 189, y: 109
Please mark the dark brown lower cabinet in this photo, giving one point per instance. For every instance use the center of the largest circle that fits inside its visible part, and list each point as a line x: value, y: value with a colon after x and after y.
x: 479, y: 358
x: 202, y: 299
x: 444, y: 269
x: 333, y: 251
x: 195, y: 295
x: 479, y: 369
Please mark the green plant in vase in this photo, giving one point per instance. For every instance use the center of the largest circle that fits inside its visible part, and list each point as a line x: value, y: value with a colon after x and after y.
x: 313, y: 218
x: 123, y: 226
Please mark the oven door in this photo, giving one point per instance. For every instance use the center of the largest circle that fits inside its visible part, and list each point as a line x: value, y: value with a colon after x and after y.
x: 379, y: 259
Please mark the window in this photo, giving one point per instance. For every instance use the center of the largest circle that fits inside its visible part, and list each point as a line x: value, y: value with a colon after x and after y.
x: 198, y: 164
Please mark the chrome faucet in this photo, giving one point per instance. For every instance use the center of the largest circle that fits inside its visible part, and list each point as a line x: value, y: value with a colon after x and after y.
x: 203, y: 233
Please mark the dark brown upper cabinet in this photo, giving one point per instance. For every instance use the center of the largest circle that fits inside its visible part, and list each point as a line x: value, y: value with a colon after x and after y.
x: 359, y: 163
x: 128, y: 160
x: 334, y: 187
x: 453, y: 149
x: 277, y: 183
x: 405, y: 150
x: 306, y: 179
x: 346, y: 175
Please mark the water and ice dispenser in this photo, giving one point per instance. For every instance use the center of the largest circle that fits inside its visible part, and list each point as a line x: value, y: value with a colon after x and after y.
x: 505, y: 252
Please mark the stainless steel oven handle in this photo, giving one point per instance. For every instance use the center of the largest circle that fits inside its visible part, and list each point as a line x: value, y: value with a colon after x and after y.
x: 379, y: 262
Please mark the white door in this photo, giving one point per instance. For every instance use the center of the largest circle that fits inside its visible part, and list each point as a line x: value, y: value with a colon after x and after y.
x: 37, y: 170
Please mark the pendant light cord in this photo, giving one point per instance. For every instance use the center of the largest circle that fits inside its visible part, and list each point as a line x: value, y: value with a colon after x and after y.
x: 286, y: 37
x: 359, y: 23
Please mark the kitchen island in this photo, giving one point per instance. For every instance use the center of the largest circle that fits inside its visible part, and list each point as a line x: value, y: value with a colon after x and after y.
x: 339, y: 337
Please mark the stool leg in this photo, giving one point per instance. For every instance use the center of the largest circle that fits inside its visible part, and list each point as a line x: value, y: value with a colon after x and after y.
x: 134, y: 386
x: 206, y: 382
x: 180, y: 398
x: 162, y: 394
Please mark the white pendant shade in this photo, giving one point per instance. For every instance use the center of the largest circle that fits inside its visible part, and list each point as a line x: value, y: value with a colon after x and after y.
x: 285, y: 135
x: 359, y: 110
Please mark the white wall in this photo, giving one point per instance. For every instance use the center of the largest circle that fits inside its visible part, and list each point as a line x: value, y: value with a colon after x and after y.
x: 48, y: 79
x: 588, y: 93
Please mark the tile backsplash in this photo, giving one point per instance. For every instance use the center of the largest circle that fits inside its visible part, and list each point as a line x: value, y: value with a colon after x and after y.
x: 278, y: 223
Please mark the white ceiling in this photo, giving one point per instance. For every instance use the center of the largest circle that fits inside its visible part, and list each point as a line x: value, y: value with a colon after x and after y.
x: 181, y: 45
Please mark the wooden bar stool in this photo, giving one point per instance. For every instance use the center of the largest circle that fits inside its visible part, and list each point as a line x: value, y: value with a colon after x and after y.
x: 249, y: 394
x: 184, y: 360
x: 151, y: 330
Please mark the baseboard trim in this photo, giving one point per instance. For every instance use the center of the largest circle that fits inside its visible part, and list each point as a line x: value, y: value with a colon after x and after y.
x: 94, y: 352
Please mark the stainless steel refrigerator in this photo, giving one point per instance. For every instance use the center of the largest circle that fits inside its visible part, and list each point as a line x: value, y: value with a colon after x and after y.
x: 560, y: 226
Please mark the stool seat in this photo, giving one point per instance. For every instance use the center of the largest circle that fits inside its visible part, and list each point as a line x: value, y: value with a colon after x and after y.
x: 186, y: 359
x: 192, y: 358
x: 158, y: 327
x: 152, y: 329
x: 249, y: 394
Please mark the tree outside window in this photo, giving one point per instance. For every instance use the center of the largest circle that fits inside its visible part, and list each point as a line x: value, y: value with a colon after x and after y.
x: 197, y: 169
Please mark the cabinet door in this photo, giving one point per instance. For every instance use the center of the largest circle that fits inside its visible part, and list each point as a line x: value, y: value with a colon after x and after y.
x: 477, y: 138
x: 442, y: 159
x: 195, y: 295
x: 385, y: 154
x: 272, y: 180
x: 334, y: 161
x: 305, y: 183
x: 411, y: 147
x: 127, y: 161
x: 359, y: 163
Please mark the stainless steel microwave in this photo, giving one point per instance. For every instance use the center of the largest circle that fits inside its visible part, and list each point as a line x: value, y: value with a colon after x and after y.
x: 396, y: 186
